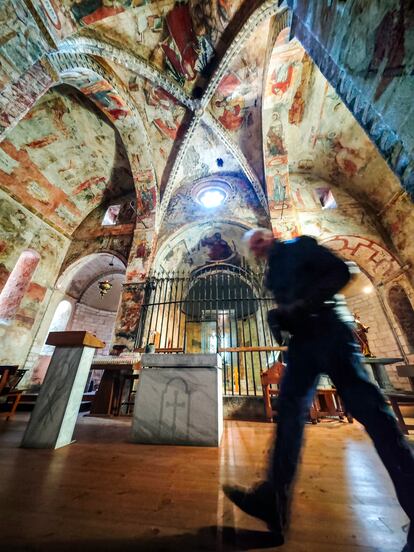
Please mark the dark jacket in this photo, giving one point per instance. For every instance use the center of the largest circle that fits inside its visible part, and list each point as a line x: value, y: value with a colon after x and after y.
x: 301, y: 270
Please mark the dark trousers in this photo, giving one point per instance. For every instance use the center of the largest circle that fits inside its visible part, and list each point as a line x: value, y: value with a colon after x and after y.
x: 327, y: 346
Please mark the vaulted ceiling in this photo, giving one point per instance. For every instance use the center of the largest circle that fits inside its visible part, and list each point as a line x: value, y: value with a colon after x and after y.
x: 107, y: 96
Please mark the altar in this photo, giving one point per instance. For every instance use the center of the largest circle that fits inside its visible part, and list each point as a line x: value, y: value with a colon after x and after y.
x: 115, y: 387
x: 179, y: 400
x: 377, y: 368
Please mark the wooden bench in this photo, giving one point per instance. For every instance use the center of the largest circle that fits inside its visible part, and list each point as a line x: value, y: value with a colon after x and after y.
x: 326, y: 402
x: 406, y: 371
x: 398, y: 399
x: 403, y: 398
x: 273, y: 376
x: 329, y: 404
x: 10, y: 377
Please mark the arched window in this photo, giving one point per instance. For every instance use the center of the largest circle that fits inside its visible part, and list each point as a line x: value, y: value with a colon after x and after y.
x: 403, y: 312
x: 59, y: 322
x: 17, y: 283
x: 111, y: 215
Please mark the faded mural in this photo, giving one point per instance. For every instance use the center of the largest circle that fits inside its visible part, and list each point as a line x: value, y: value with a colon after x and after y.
x: 236, y: 103
x: 241, y: 205
x: 196, y: 245
x: 21, y: 230
x: 46, y: 166
x: 206, y: 155
x: 373, y: 60
x: 108, y: 137
x: 284, y: 72
x: 21, y: 41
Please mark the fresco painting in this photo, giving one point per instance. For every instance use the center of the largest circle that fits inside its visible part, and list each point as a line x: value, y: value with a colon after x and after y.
x: 201, y: 157
x: 375, y: 52
x: 128, y: 315
x: 82, y: 246
x: 236, y: 103
x: 21, y: 41
x: 88, y: 12
x: 56, y: 16
x: 20, y: 231
x: 370, y: 255
x: 161, y: 113
x: 200, y: 244
x: 338, y: 152
x: 177, y: 37
x: 140, y: 260
x: 17, y: 99
x: 92, y: 237
x: 184, y: 209
x: 142, y: 252
x: 100, y: 92
x: 41, y: 163
x: 210, y: 19
x: 297, y: 108
x: 16, y: 285
x: 399, y: 221
x: 283, y: 76
x: 180, y: 47
x: 76, y: 153
x: 348, y: 217
x: 213, y: 248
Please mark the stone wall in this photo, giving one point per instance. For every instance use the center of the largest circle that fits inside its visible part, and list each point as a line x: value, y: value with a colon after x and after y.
x: 380, y: 335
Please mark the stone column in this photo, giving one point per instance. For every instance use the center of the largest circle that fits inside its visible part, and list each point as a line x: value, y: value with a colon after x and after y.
x: 56, y: 410
x: 139, y: 264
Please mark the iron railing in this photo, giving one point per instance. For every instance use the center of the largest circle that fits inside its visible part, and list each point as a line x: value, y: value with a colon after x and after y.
x: 217, y: 308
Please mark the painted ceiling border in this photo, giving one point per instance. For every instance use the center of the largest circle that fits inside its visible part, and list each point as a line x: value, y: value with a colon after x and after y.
x: 130, y: 61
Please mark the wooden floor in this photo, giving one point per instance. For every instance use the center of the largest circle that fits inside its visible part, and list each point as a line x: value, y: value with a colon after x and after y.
x: 105, y: 494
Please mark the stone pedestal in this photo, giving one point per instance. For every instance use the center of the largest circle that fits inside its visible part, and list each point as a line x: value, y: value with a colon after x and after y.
x: 54, y: 416
x: 179, y: 400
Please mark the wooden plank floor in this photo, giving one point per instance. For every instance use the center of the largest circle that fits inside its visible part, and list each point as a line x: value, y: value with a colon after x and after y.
x: 103, y: 493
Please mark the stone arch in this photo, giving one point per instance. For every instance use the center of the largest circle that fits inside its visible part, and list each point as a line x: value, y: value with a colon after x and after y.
x: 403, y: 312
x: 277, y: 90
x: 95, y: 81
x: 373, y: 258
x: 184, y: 250
x: 71, y: 270
x: 382, y: 268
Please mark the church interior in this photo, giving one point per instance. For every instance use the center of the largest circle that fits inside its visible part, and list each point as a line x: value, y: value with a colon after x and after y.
x: 139, y: 141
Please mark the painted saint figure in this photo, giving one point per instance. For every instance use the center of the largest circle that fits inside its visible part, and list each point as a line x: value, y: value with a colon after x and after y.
x: 218, y: 249
x: 275, y: 137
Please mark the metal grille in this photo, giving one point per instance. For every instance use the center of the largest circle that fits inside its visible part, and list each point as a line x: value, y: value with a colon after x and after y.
x: 217, y: 308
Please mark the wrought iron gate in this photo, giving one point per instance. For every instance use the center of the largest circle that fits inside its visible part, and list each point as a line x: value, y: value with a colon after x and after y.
x: 217, y: 308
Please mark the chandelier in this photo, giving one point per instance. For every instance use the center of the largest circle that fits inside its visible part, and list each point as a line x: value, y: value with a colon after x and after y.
x: 104, y: 286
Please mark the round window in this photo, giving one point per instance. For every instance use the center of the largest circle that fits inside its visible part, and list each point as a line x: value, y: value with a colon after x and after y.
x: 211, y: 194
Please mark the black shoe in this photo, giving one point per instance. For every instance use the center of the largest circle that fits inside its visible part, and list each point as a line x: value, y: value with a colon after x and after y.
x: 259, y: 502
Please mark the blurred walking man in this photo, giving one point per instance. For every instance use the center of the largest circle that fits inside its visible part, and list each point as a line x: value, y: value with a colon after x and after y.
x: 304, y: 278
